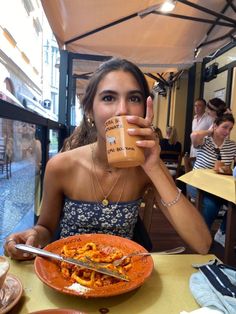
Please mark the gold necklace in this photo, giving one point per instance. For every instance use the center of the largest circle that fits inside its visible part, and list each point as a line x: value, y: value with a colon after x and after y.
x: 105, y: 200
x: 119, y: 198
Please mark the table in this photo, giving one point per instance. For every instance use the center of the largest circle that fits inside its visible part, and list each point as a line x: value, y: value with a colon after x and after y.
x: 166, y: 291
x: 223, y: 186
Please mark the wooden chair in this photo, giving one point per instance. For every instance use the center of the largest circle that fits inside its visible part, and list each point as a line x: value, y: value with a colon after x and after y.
x: 173, y: 161
x: 143, y: 226
x: 147, y: 207
x: 188, y: 166
x: 5, y: 161
x: 188, y: 163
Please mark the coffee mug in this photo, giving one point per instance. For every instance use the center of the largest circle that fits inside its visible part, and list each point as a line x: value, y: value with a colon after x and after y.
x: 4, y: 267
x: 218, y: 165
x: 122, y: 151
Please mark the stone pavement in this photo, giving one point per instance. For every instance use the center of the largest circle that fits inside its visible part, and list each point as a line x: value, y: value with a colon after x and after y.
x: 17, y: 199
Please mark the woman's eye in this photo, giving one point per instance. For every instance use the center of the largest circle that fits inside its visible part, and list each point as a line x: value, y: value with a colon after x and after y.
x: 108, y: 98
x: 135, y: 99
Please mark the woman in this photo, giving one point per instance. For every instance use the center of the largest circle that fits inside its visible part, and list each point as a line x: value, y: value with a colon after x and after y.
x: 77, y: 181
x: 216, y: 107
x: 158, y: 133
x: 171, y: 143
x: 216, y: 144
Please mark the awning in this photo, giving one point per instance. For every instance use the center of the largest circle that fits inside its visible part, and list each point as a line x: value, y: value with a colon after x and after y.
x: 156, y: 42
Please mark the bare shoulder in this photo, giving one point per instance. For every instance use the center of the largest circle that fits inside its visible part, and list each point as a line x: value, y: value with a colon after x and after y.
x: 64, y: 162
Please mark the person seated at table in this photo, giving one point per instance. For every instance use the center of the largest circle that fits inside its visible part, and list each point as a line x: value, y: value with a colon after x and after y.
x: 171, y: 143
x: 158, y: 133
x: 211, y: 147
x: 216, y: 107
x: 77, y: 181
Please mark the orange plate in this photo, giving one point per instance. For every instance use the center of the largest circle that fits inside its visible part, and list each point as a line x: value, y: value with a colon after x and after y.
x: 58, y: 311
x: 49, y: 272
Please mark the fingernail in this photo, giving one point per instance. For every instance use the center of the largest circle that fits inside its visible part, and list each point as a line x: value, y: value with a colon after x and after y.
x: 26, y: 254
x: 131, y: 130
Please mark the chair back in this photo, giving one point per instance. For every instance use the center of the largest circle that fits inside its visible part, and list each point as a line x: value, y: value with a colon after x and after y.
x: 172, y: 160
x: 2, y: 153
x: 5, y: 163
x: 188, y: 163
x: 147, y: 207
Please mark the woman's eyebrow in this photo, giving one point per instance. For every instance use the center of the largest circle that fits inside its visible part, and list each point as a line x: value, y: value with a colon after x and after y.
x: 110, y: 91
x: 136, y: 92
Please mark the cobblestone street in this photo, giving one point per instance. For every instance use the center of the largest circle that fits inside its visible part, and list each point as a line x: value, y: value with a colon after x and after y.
x: 17, y: 199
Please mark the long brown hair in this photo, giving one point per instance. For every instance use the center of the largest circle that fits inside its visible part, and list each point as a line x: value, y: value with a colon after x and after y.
x: 172, y: 132
x: 86, y: 133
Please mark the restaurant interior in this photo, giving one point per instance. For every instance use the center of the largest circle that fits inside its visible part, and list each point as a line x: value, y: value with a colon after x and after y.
x: 185, y: 53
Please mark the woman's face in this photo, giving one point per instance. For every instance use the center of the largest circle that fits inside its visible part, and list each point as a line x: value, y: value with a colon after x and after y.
x: 118, y: 93
x: 223, y: 130
x: 211, y: 112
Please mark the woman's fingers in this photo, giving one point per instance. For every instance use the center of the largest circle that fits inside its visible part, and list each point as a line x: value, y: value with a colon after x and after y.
x: 146, y: 143
x: 9, y: 248
x: 11, y: 251
x: 143, y: 122
x: 145, y: 130
x: 141, y: 131
x: 149, y: 111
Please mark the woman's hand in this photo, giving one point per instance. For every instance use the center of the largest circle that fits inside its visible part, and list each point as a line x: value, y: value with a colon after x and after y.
x: 150, y: 142
x: 29, y: 237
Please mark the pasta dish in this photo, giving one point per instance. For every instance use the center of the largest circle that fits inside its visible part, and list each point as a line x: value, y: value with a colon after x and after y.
x: 95, y: 253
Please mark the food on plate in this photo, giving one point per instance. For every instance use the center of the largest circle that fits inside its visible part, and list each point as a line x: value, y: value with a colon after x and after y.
x: 94, y: 253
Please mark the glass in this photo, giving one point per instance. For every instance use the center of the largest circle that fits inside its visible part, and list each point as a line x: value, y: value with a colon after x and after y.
x: 20, y: 193
x: 53, y: 143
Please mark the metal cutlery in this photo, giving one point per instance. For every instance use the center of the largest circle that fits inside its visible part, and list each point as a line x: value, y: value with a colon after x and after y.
x: 90, y: 265
x: 119, y: 261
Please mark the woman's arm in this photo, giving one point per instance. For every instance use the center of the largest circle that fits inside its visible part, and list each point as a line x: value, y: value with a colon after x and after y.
x: 197, y: 137
x: 183, y: 216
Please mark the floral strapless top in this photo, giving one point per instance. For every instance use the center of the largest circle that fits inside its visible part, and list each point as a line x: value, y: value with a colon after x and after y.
x: 80, y: 217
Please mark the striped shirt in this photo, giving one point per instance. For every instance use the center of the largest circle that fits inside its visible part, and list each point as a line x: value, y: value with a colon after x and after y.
x: 206, y: 154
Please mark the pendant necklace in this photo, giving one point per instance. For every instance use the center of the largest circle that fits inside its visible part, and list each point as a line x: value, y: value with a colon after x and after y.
x: 119, y: 198
x: 105, y: 200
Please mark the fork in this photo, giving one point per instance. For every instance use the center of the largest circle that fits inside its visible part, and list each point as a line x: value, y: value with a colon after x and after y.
x: 117, y: 262
x: 166, y: 252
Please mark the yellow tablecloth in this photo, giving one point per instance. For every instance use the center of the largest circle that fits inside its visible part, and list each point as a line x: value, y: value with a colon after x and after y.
x: 166, y: 291
x: 209, y: 181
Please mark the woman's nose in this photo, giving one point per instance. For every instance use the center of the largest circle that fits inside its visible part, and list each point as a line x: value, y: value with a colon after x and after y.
x: 122, y: 108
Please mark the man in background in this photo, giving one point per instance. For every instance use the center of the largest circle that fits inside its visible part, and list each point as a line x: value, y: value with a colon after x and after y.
x: 201, y: 120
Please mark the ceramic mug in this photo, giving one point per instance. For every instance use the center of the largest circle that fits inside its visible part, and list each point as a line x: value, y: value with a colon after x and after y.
x: 122, y: 151
x: 4, y: 268
x: 218, y: 165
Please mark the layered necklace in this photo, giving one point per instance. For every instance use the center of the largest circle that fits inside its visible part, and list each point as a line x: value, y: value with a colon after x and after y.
x: 105, y: 200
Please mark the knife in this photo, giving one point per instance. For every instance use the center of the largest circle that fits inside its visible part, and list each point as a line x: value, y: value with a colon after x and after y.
x: 90, y: 265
